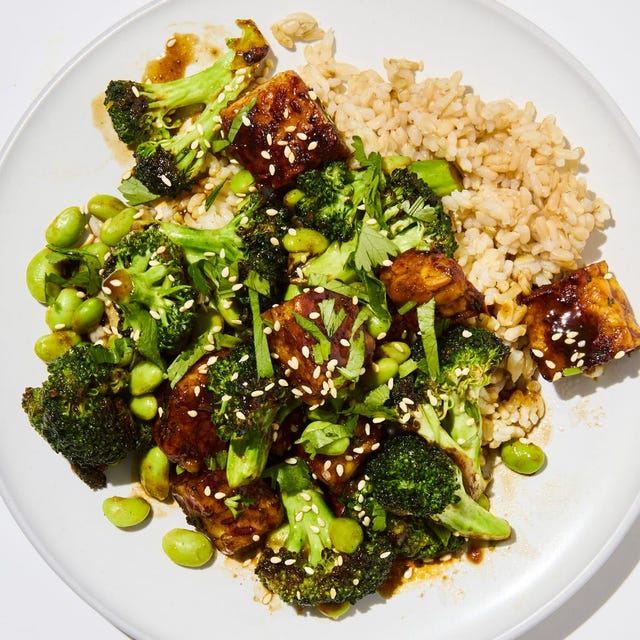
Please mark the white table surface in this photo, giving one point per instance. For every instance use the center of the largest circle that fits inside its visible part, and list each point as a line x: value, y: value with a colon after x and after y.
x: 39, y: 38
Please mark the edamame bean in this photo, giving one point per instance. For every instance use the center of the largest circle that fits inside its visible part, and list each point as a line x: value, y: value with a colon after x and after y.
x: 292, y: 197
x: 241, y: 182
x: 87, y: 315
x: 522, y: 457
x: 154, y: 473
x: 60, y: 313
x: 346, y: 534
x: 144, y: 407
x: 53, y: 345
x: 125, y: 512
x: 104, y: 206
x: 115, y: 228
x: 67, y: 228
x: 377, y: 327
x: 307, y: 241
x: 145, y: 377
x: 380, y: 372
x: 395, y: 349
x: 97, y: 249
x: 187, y: 548
x: 38, y: 269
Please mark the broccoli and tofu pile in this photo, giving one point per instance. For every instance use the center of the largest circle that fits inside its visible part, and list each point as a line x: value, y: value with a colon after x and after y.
x: 311, y: 370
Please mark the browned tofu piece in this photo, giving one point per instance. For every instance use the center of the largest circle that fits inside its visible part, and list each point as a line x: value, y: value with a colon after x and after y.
x: 418, y: 276
x: 285, y: 133
x: 183, y: 430
x: 311, y: 355
x: 579, y: 322
x: 234, y: 519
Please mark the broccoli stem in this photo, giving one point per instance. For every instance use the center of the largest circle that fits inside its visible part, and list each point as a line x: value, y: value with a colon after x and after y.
x: 468, y: 519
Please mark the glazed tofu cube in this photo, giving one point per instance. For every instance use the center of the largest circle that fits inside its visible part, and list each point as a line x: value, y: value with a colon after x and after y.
x: 284, y: 133
x: 580, y: 322
x: 314, y: 336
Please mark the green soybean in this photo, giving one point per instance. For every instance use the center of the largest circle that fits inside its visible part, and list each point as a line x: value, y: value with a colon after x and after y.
x: 52, y: 345
x: 59, y: 315
x: 307, y: 241
x: 97, y: 249
x: 104, y: 206
x: 292, y: 197
x: 241, y: 181
x: 187, y: 548
x: 380, y: 372
x: 87, y: 316
x: 522, y: 457
x: 125, y: 512
x: 145, y: 377
x: 377, y: 326
x: 115, y: 228
x: 395, y: 349
x: 144, y: 407
x: 154, y: 473
x: 38, y: 269
x: 67, y: 228
x: 346, y: 534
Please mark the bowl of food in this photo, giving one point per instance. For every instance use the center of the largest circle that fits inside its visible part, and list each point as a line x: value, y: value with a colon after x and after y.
x: 320, y: 324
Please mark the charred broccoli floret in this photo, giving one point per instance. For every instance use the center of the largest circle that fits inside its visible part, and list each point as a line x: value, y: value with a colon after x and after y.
x: 412, y: 477
x: 82, y: 411
x: 146, y: 278
x: 168, y: 165
x: 415, y: 216
x: 468, y: 357
x: 245, y: 253
x: 245, y: 408
x: 308, y: 568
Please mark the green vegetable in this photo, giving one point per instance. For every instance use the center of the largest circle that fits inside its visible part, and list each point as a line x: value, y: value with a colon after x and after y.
x: 154, y: 473
x: 168, y: 161
x: 67, y: 228
x: 126, y: 512
x: 304, y: 567
x: 522, y: 457
x: 82, y: 411
x: 104, y: 206
x: 187, y: 548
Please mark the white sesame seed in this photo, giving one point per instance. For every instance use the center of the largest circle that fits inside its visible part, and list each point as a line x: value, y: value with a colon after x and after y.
x: 550, y: 363
x: 219, y: 495
x: 165, y: 180
x: 619, y: 355
x: 207, y: 491
x: 245, y: 121
x: 265, y: 154
x: 272, y: 170
x: 312, y: 145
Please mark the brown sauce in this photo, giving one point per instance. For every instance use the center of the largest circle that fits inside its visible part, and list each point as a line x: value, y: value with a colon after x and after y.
x: 179, y: 53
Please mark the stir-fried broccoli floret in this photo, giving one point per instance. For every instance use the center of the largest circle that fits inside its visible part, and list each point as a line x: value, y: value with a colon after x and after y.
x: 82, y: 411
x: 308, y: 569
x: 416, y: 538
x: 245, y: 409
x: 415, y: 216
x: 326, y: 200
x: 468, y: 357
x: 246, y: 253
x: 410, y: 476
x: 142, y: 111
x: 146, y: 278
x: 169, y: 165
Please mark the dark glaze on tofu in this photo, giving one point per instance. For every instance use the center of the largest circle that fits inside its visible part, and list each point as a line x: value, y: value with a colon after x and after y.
x: 234, y: 519
x: 335, y: 471
x: 580, y: 322
x: 418, y: 276
x: 294, y: 345
x: 284, y: 133
x: 183, y: 429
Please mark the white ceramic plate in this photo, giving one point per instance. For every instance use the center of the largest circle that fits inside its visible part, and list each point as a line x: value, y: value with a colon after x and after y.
x: 567, y: 520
